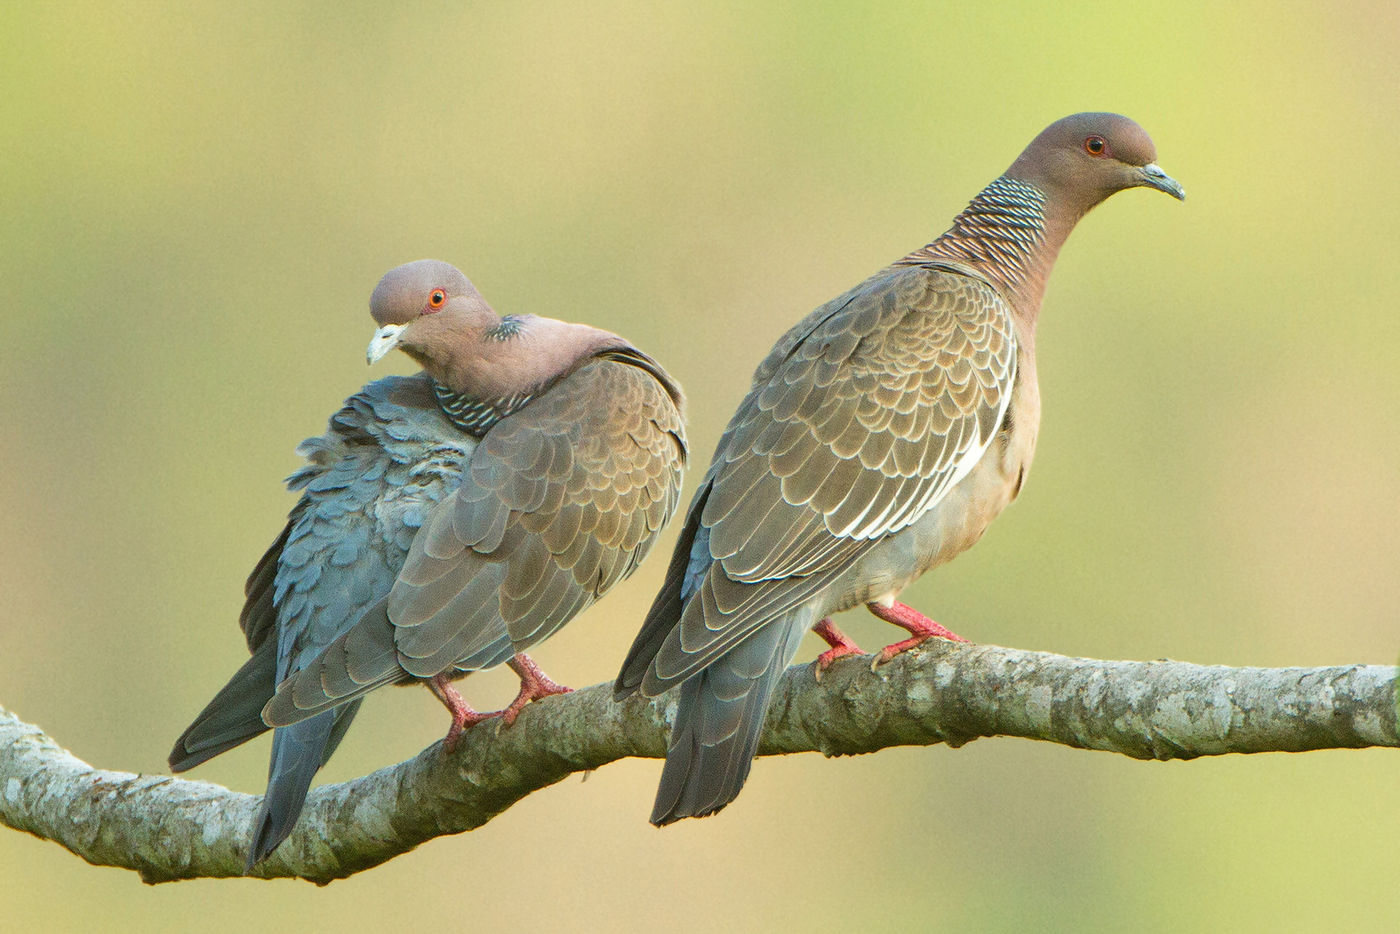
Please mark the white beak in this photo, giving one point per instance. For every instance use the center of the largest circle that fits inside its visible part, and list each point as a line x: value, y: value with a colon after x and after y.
x: 385, y: 339
x: 1154, y: 177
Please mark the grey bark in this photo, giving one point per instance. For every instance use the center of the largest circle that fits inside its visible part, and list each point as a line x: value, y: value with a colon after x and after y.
x: 168, y: 829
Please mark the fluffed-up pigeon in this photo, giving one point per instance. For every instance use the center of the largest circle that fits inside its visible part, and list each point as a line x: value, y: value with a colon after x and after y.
x: 448, y: 521
x: 879, y: 438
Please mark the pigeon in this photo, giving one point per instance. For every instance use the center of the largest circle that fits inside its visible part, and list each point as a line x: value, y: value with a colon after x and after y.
x: 448, y: 521
x: 879, y: 438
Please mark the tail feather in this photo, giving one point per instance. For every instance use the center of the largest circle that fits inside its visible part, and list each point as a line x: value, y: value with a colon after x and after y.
x: 719, y: 718
x: 666, y: 608
x: 298, y: 752
x: 234, y: 716
x: 344, y: 717
x: 359, y: 661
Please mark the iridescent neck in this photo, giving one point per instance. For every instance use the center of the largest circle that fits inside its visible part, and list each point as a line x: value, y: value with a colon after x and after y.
x: 477, y: 416
x: 1002, y: 233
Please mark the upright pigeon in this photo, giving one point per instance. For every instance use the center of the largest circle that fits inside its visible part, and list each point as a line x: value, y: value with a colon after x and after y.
x: 448, y: 521
x: 879, y: 438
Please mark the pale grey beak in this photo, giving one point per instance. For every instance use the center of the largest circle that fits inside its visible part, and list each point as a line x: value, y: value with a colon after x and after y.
x: 1154, y: 177
x: 385, y: 339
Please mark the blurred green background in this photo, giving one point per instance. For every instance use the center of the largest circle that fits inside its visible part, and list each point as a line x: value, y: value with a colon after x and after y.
x: 197, y: 202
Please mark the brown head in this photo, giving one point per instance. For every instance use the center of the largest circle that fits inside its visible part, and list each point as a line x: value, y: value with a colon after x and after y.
x: 1014, y: 229
x: 432, y: 312
x: 425, y: 309
x: 1081, y: 160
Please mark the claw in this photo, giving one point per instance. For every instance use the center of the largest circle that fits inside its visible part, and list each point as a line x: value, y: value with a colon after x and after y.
x: 463, y: 716
x: 534, y: 684
x: 921, y: 629
x: 840, y: 643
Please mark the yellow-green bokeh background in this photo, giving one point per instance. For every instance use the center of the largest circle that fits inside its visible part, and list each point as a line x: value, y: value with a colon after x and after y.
x: 197, y: 202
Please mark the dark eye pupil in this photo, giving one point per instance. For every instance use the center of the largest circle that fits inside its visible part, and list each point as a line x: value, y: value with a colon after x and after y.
x: 1096, y: 145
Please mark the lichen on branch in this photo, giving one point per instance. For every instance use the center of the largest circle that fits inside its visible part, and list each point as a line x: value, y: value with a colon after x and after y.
x: 168, y: 829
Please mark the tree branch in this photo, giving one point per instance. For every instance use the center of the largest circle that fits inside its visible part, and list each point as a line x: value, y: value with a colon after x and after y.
x: 168, y: 829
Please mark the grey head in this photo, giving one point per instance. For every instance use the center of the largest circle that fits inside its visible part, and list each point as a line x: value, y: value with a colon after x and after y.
x: 424, y: 308
x: 1082, y: 159
x: 432, y: 312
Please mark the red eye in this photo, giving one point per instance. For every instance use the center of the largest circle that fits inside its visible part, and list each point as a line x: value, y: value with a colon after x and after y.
x: 436, y: 299
x: 1095, y: 146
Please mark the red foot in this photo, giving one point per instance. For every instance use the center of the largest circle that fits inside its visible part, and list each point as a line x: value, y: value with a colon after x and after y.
x: 462, y: 714
x: 920, y: 626
x: 840, y: 645
x: 534, y: 684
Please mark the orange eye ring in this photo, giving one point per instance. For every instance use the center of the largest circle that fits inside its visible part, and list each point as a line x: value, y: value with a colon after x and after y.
x: 436, y: 299
x: 1096, y: 145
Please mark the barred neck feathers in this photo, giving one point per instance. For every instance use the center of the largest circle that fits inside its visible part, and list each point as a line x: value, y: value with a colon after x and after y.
x: 507, y: 365
x: 515, y: 356
x: 483, y: 366
x: 1002, y: 234
x: 508, y: 327
x: 478, y: 416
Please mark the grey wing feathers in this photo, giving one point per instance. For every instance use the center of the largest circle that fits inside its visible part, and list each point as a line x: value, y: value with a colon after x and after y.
x: 388, y: 460
x: 713, y: 745
x: 234, y: 716
x: 865, y: 424
x: 631, y: 355
x: 387, y: 456
x: 665, y: 607
x: 561, y: 501
x: 258, y: 618
x: 857, y: 424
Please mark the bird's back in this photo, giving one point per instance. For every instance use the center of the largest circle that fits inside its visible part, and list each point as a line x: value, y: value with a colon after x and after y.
x: 857, y: 422
x: 385, y: 458
x: 388, y: 456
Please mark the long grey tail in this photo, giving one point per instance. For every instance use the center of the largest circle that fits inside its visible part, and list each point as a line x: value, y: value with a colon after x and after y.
x: 719, y: 717
x: 298, y: 752
x: 234, y: 716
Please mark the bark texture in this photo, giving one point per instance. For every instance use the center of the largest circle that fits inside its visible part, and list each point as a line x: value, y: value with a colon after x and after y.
x: 168, y: 829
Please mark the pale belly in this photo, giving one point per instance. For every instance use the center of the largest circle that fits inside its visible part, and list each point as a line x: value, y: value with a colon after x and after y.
x: 959, y: 519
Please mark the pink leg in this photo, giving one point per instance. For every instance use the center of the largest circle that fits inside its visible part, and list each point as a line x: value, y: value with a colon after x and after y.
x: 462, y: 714
x: 920, y: 627
x: 840, y: 645
x: 534, y: 684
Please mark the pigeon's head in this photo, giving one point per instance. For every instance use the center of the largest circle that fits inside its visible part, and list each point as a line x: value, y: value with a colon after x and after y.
x: 1083, y: 159
x: 433, y: 313
x: 425, y: 309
